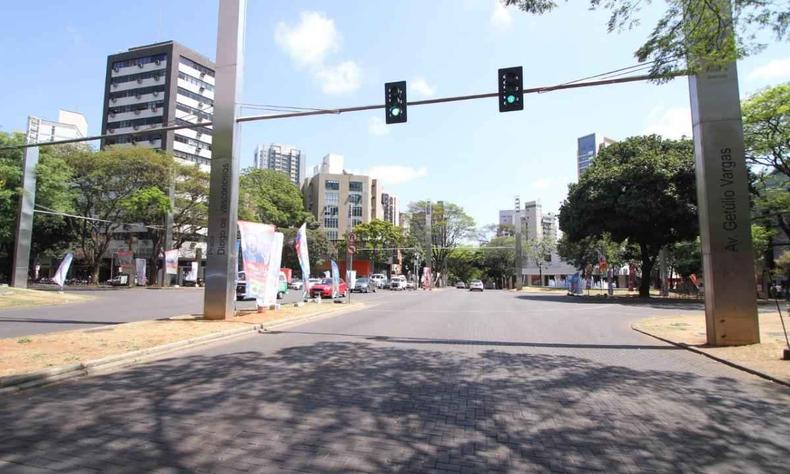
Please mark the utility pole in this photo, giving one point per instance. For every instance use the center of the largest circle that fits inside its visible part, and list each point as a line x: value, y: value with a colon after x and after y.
x: 222, y: 253
x: 519, y: 246
x: 429, y: 243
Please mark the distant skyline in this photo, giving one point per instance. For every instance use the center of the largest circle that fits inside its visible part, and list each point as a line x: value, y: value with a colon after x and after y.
x: 327, y: 54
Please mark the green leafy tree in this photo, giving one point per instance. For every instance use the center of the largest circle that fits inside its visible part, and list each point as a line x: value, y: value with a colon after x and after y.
x: 320, y: 249
x: 372, y: 238
x: 690, y: 29
x: 115, y: 186
x: 539, y: 251
x: 641, y: 189
x: 685, y: 257
x: 583, y: 252
x: 51, y: 232
x: 190, y: 210
x: 451, y: 226
x: 463, y: 264
x: 766, y: 129
x: 499, y: 259
x: 270, y: 197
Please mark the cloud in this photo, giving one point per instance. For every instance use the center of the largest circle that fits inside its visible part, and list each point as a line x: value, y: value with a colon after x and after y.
x: 345, y: 77
x: 669, y: 122
x: 543, y: 183
x: 377, y: 127
x: 500, y: 16
x: 396, y: 174
x: 309, y: 41
x: 778, y: 69
x: 422, y: 88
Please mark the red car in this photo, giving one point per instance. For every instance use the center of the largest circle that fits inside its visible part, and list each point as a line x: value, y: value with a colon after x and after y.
x: 325, y: 289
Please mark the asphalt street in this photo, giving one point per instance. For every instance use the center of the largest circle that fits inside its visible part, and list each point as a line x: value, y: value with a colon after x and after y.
x: 447, y: 381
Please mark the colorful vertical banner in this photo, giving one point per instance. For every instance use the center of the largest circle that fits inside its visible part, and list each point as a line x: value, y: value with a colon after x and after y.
x: 300, y: 246
x: 171, y: 262
x: 63, y: 270
x: 335, y: 279
x: 269, y: 296
x: 256, y: 241
x: 140, y: 267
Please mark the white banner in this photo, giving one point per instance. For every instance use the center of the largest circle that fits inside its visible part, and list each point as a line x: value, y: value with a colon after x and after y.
x: 63, y: 270
x: 140, y: 266
x: 300, y: 246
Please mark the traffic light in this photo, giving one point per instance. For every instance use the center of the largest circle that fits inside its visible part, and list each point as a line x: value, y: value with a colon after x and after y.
x: 395, y: 101
x: 511, y: 89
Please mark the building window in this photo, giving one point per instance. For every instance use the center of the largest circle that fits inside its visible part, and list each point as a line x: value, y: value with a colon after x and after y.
x: 135, y: 123
x: 332, y: 198
x: 138, y: 92
x: 139, y: 61
x: 195, y: 96
x: 332, y: 184
x: 355, y: 211
x: 188, y: 62
x: 193, y: 111
x: 191, y: 141
x: 195, y: 81
x: 137, y: 77
x: 332, y: 235
x: 331, y: 222
x: 355, y: 186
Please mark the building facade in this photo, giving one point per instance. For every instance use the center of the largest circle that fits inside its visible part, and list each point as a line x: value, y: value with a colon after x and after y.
x: 532, y: 220
x: 587, y: 147
x: 69, y: 125
x: 158, y: 85
x: 338, y: 201
x: 391, y: 208
x: 284, y: 158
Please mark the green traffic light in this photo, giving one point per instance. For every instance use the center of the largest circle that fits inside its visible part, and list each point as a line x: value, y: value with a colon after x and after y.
x: 510, y: 99
x: 395, y: 111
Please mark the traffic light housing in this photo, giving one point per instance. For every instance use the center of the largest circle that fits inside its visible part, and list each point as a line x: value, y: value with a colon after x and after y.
x: 395, y: 102
x: 511, y: 89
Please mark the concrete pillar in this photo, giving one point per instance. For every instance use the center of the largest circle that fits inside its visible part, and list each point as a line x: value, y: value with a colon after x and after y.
x: 24, y: 220
x: 723, y: 199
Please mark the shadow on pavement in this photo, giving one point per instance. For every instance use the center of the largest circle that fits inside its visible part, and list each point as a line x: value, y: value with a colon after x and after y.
x: 482, y: 342
x: 661, y: 303
x: 348, y: 406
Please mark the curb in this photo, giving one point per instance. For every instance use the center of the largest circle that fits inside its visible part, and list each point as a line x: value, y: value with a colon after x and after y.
x: 17, y: 383
x: 713, y: 357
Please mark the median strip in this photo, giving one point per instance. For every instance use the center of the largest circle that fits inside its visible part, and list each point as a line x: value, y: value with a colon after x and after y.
x: 42, y: 359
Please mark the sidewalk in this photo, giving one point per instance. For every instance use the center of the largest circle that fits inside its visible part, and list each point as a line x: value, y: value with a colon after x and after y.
x: 763, y: 359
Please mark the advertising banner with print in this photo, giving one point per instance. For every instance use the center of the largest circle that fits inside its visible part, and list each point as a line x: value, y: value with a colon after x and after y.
x: 269, y: 296
x: 140, y: 267
x: 335, y: 278
x: 171, y: 262
x: 256, y: 242
x: 300, y: 246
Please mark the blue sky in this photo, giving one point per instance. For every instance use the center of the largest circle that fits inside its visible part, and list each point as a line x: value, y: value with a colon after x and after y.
x: 340, y: 52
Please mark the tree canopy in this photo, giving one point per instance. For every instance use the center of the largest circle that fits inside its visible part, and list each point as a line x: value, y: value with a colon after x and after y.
x: 766, y: 129
x: 375, y: 236
x: 691, y: 29
x: 270, y: 197
x: 451, y: 226
x: 641, y: 189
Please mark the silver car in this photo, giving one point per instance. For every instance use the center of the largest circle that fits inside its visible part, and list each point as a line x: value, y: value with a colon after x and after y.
x: 475, y: 285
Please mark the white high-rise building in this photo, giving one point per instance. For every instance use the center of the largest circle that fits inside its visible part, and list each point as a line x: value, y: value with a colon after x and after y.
x: 157, y: 85
x: 536, y: 225
x: 69, y: 125
x: 284, y: 158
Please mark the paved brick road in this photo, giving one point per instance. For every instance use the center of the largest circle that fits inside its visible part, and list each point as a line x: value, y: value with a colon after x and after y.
x: 447, y: 382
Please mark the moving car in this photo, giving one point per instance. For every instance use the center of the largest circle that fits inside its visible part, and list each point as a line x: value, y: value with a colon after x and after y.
x: 297, y: 285
x: 364, y: 285
x: 398, y: 282
x: 311, y: 282
x: 380, y: 279
x: 324, y: 288
x: 460, y: 285
x: 475, y: 285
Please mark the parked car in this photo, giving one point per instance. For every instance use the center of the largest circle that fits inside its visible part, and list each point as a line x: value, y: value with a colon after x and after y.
x: 297, y: 285
x: 242, y: 291
x: 398, y: 282
x: 311, y: 282
x: 364, y: 285
x: 475, y: 285
x: 282, y: 289
x: 460, y: 285
x: 380, y: 279
x: 411, y: 285
x: 324, y: 288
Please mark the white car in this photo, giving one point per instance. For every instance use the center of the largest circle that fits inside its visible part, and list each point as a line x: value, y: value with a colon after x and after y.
x: 311, y: 282
x: 475, y: 285
x: 398, y: 282
x: 380, y: 279
x: 296, y: 284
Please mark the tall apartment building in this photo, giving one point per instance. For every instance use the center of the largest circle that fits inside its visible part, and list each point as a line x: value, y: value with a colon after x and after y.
x: 158, y: 85
x: 69, y: 125
x: 389, y: 203
x: 284, y: 158
x: 338, y: 201
x: 536, y: 224
x: 587, y: 147
x: 383, y: 206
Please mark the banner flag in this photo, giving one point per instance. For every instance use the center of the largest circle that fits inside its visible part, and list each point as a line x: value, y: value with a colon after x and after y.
x: 300, y: 246
x: 261, y: 250
x: 601, y: 261
x: 140, y: 267
x: 63, y: 270
x: 269, y: 296
x: 335, y: 279
x: 171, y: 262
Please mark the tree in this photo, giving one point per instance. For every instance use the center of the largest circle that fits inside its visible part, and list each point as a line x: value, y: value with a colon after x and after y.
x: 190, y: 213
x: 320, y: 249
x: 766, y: 129
x: 115, y: 186
x: 539, y: 251
x: 51, y: 232
x: 270, y: 197
x: 583, y: 252
x: 372, y: 238
x: 641, y: 189
x: 690, y: 29
x: 499, y: 259
x: 463, y: 264
x: 450, y: 227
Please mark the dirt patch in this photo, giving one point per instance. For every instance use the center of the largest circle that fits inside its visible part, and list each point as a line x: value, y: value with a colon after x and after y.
x: 20, y: 298
x: 21, y: 355
x: 765, y: 357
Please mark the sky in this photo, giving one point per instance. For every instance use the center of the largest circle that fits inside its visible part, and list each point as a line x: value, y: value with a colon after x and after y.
x: 339, y: 53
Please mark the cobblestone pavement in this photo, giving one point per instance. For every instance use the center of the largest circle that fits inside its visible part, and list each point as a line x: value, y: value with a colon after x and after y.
x: 442, y: 382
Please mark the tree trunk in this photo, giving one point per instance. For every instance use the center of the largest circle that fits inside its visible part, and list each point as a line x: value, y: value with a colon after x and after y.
x: 95, y: 272
x: 647, y: 270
